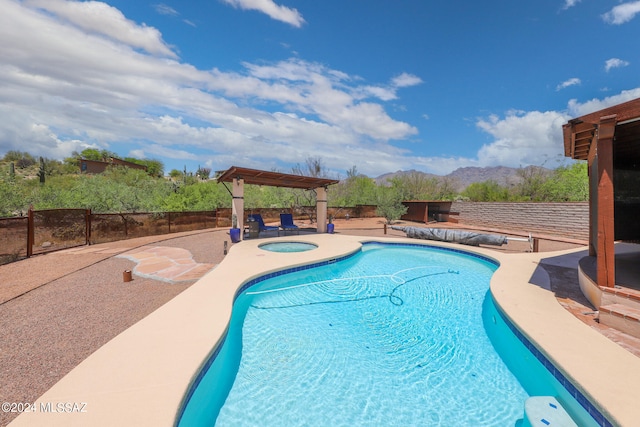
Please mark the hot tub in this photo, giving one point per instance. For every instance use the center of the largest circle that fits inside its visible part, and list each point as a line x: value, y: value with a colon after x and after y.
x: 288, y: 246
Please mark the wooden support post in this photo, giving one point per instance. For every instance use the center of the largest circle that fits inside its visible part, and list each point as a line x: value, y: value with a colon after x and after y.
x: 30, y: 232
x: 593, y: 206
x: 237, y: 207
x: 321, y: 209
x: 605, y: 203
x: 87, y: 221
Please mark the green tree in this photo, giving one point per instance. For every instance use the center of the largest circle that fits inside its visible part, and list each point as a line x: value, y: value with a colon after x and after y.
x: 203, y: 173
x: 389, y: 204
x: 155, y: 168
x: 415, y: 186
x: 269, y: 197
x: 532, y: 183
x: 355, y: 190
x: 119, y: 189
x: 197, y: 197
x: 12, y: 200
x: 313, y: 167
x: 56, y: 167
x: 19, y: 156
x: 175, y: 174
x: 568, y: 184
x: 447, y: 189
x: 94, y: 154
x: 305, y: 199
x: 486, y: 191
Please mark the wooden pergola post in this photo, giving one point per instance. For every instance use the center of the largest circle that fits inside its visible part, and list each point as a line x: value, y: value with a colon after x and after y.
x: 321, y: 209
x: 237, y: 208
x: 605, y: 203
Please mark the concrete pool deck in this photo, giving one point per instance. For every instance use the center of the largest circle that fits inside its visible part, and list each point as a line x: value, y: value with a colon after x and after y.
x: 141, y: 375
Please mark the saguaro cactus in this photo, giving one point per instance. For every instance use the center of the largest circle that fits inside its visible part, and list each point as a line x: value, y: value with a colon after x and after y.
x: 41, y: 171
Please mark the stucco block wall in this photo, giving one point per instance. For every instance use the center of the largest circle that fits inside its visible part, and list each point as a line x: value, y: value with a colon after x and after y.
x: 562, y: 219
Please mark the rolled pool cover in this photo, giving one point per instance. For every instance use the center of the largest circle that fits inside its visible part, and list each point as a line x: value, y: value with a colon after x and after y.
x: 455, y: 236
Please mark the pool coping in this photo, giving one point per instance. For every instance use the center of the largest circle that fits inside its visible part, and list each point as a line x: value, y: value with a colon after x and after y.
x: 121, y: 385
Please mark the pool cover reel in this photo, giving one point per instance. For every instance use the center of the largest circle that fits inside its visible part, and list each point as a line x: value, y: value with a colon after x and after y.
x: 455, y: 236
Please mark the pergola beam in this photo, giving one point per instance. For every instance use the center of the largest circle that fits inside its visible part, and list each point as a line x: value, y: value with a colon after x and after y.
x: 273, y: 179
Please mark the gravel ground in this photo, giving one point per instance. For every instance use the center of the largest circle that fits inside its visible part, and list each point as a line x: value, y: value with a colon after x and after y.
x: 57, y: 309
x: 78, y: 302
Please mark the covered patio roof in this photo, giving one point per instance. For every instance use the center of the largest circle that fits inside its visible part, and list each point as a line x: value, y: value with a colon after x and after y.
x: 609, y: 140
x: 273, y: 179
x: 580, y: 133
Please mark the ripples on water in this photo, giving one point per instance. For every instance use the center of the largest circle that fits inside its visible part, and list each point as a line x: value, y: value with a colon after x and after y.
x: 390, y: 337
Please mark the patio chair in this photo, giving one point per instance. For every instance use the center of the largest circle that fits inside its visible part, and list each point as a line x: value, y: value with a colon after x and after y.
x: 258, y: 218
x: 286, y: 223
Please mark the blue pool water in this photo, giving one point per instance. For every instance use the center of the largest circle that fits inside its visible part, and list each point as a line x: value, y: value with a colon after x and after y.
x: 395, y: 335
x: 287, y: 246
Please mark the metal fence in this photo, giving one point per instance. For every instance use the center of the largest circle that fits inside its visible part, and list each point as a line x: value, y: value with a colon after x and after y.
x: 13, y: 239
x: 111, y: 227
x: 55, y: 229
x: 49, y: 230
x: 43, y: 231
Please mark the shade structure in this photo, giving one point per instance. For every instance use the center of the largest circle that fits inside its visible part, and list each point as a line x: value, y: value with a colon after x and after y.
x: 273, y: 179
x: 609, y: 140
x: 240, y: 176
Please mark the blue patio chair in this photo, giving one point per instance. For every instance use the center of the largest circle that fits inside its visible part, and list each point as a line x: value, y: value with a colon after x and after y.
x: 286, y: 223
x: 260, y: 221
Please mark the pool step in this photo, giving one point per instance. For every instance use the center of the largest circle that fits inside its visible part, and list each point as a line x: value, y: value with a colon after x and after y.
x: 626, y: 296
x: 545, y: 411
x: 622, y: 317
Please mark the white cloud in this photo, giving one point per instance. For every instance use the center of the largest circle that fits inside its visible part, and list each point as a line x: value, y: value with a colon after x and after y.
x: 622, y: 13
x: 64, y: 87
x: 164, y: 9
x: 522, y: 138
x: 577, y: 109
x: 100, y: 18
x: 406, y: 80
x: 534, y: 138
x: 383, y: 93
x: 313, y: 88
x: 268, y: 7
x: 570, y: 3
x: 614, y: 63
x: 567, y: 83
x: 389, y: 93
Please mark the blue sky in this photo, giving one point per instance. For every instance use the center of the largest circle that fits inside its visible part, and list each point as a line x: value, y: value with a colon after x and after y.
x: 382, y: 85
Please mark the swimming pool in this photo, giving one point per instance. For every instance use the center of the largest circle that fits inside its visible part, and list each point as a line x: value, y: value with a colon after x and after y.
x: 395, y: 335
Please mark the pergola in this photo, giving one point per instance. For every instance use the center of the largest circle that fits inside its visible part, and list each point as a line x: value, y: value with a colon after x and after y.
x: 609, y: 140
x: 240, y: 176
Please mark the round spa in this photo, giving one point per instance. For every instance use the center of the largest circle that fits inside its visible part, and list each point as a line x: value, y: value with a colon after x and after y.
x: 287, y: 246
